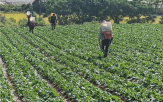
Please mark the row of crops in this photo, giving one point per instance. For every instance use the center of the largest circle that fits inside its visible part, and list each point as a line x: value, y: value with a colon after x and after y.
x: 70, y: 60
x: 5, y: 89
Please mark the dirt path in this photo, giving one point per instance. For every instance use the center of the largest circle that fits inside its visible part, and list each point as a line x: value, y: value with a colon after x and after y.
x: 50, y: 84
x: 13, y: 92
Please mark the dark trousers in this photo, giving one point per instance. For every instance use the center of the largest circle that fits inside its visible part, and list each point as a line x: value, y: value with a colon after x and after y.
x: 31, y: 27
x: 53, y: 25
x: 105, y: 45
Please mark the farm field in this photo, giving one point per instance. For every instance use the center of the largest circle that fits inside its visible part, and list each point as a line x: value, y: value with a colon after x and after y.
x: 66, y: 64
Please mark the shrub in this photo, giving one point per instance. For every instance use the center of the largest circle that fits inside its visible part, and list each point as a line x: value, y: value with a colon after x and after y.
x: 161, y: 22
x: 40, y: 21
x: 132, y: 21
x: 2, y: 18
x: 22, y: 22
x: 8, y: 8
x: 12, y: 19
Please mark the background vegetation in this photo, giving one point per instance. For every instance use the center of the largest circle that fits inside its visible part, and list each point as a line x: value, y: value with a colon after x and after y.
x: 80, y: 11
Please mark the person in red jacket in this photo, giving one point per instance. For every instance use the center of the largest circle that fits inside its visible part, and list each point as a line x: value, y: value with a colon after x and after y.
x: 105, y: 38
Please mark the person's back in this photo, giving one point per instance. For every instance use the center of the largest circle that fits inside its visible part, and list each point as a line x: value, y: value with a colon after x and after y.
x: 53, y: 21
x: 32, y: 24
x: 105, y: 36
x: 53, y: 18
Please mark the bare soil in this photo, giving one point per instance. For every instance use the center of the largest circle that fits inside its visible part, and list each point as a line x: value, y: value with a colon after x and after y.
x: 13, y: 91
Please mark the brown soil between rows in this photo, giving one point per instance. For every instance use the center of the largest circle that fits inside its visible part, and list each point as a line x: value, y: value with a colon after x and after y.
x: 48, y: 81
x: 101, y: 87
x: 16, y: 98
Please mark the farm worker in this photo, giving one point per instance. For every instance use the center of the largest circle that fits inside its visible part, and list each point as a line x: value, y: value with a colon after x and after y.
x: 105, y: 36
x: 53, y: 21
x: 31, y: 24
x: 30, y: 15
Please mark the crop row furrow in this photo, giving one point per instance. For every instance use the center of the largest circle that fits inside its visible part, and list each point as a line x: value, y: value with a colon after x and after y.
x: 36, y: 43
x: 127, y: 45
x: 74, y: 86
x: 104, y: 88
x: 28, y: 84
x: 7, y: 91
x: 55, y: 87
x: 70, y: 54
x: 14, y: 72
x: 128, y: 55
x: 121, y: 68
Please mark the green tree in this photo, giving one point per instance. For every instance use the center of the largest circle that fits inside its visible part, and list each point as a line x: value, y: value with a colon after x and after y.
x: 116, y: 11
x: 129, y: 10
x: 80, y: 11
x: 26, y: 7
x: 39, y: 6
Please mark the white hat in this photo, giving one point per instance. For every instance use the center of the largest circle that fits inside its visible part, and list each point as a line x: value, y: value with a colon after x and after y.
x: 103, y: 21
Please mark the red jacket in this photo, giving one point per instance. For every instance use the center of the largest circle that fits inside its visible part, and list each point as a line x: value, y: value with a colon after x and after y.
x: 32, y: 23
x: 108, y: 34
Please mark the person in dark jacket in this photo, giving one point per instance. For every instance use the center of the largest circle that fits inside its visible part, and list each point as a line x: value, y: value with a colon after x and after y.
x: 53, y: 21
x: 105, y: 41
x: 31, y: 26
x: 28, y: 23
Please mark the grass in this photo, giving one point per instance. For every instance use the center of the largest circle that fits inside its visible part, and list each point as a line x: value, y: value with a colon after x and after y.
x: 157, y: 19
x: 18, y: 16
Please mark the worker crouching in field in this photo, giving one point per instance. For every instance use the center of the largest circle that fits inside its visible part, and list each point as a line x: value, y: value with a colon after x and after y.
x: 105, y: 36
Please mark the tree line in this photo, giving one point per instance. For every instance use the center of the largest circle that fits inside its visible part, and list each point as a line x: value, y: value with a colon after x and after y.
x: 80, y: 11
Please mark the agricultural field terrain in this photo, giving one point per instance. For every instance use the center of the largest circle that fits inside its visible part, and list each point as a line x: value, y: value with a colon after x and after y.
x: 67, y: 65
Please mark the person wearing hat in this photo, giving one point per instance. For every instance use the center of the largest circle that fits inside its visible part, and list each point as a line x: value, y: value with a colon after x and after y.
x: 105, y: 41
x: 31, y: 24
x: 53, y: 21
